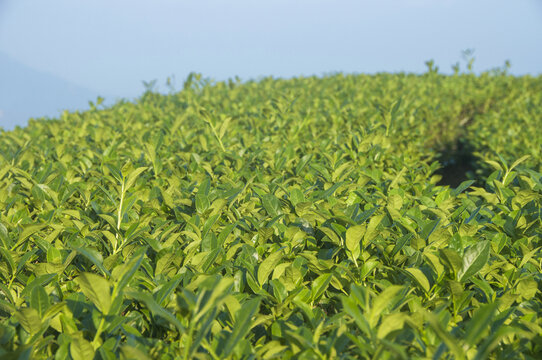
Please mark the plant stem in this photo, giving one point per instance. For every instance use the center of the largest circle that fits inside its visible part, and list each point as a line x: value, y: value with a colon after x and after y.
x: 119, y: 219
x: 98, y: 331
x: 216, y: 136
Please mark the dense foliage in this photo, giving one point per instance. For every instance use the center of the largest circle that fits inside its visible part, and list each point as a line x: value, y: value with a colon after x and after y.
x: 303, y: 218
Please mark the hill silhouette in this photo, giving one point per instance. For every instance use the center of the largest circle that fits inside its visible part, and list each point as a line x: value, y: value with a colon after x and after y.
x: 28, y: 93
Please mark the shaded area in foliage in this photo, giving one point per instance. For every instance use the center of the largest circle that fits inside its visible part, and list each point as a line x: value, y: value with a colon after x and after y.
x: 458, y: 164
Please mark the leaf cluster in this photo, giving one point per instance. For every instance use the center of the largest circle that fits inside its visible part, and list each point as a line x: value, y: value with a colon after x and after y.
x: 297, y: 218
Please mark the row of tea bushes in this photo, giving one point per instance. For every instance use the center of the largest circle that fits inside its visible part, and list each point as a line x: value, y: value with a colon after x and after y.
x: 296, y: 218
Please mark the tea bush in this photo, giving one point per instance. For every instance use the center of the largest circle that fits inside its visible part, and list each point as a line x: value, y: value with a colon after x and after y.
x: 303, y: 218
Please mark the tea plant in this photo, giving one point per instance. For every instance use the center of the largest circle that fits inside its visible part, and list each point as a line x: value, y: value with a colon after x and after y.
x: 301, y: 218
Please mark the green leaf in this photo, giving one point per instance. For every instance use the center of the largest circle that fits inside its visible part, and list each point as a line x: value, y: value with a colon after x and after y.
x: 130, y: 352
x: 420, y: 278
x: 224, y: 126
x: 395, y: 202
x: 81, y: 349
x: 115, y: 171
x: 167, y: 289
x: 351, y: 307
x: 133, y: 176
x: 41, y: 280
x: 474, y: 259
x: 391, y: 322
x: 319, y: 286
x: 54, y: 256
x: 445, y: 336
x: 97, y: 289
x: 39, y: 300
x: 296, y: 197
x: 156, y: 309
x: 303, y: 163
x: 202, y: 203
x: 462, y: 187
x: 371, y: 232
x: 30, y: 320
x: 205, y: 187
x: 268, y: 265
x: 479, y: 322
x: 527, y: 288
x: 519, y: 161
x: 6, y: 241
x: 452, y: 260
x: 329, y: 192
x: 243, y: 324
x: 6, y: 255
x: 368, y: 267
x: 435, y: 263
x: 400, y: 243
x: 354, y: 234
x: 271, y: 204
x: 27, y: 232
x: 384, y: 300
x: 218, y: 288
x: 94, y: 256
x: 330, y: 234
x: 126, y: 272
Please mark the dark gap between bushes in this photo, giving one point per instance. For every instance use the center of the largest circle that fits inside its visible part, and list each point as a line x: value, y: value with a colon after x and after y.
x: 458, y: 164
x: 457, y: 159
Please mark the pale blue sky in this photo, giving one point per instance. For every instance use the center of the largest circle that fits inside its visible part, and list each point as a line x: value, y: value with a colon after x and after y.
x: 110, y: 46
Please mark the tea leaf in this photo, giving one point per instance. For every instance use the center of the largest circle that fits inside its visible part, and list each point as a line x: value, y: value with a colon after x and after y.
x: 39, y: 300
x: 420, y: 278
x: 81, y: 349
x: 345, y: 216
x: 268, y: 265
x: 30, y: 320
x: 97, y: 289
x: 354, y: 235
x: 479, y: 322
x: 155, y: 308
x: 474, y: 259
x: 242, y: 324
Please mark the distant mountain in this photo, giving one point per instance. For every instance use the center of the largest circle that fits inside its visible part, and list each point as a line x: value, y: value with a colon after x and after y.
x: 27, y: 93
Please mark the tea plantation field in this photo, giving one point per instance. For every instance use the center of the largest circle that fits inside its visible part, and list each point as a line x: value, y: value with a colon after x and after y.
x: 388, y: 216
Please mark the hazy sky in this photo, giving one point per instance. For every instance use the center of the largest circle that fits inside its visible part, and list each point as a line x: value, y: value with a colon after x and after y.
x: 110, y: 46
